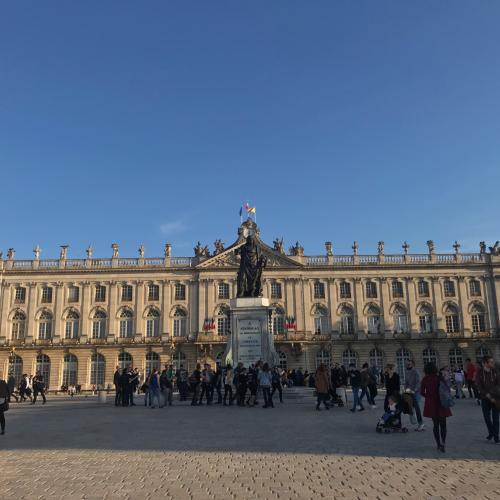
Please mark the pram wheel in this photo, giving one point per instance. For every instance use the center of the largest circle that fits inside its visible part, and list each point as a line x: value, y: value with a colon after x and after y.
x: 404, y: 430
x: 387, y: 431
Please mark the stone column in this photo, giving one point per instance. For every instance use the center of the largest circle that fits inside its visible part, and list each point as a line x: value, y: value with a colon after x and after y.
x: 307, y: 298
x: 332, y: 304
x: 462, y: 303
x: 58, y: 311
x: 211, y: 297
x: 113, y: 307
x: 193, y: 305
x: 4, y: 314
x: 361, y: 322
x: 165, y: 307
x: 56, y: 368
x: 299, y: 300
x: 85, y: 305
x: 139, y: 307
x: 437, y: 301
x: 385, y: 305
x: 31, y: 311
x: 411, y: 305
x: 83, y: 370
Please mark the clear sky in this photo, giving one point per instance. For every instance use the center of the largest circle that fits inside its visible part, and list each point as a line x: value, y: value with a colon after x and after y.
x: 148, y: 122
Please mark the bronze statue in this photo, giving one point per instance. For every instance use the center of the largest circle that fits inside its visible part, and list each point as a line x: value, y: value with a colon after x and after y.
x: 252, y: 264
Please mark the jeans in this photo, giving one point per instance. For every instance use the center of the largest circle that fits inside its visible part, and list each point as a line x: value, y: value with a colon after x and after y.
x: 118, y: 396
x: 459, y: 393
x: 42, y: 393
x: 490, y: 414
x: 154, y: 393
x: 228, y: 391
x: 439, y: 430
x: 416, y: 406
x: 365, y: 391
x: 277, y: 387
x: 356, y: 399
x: 268, y: 399
x: 196, y: 393
x: 472, y: 388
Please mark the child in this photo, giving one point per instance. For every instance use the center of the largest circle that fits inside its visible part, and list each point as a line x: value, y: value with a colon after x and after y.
x: 391, y: 412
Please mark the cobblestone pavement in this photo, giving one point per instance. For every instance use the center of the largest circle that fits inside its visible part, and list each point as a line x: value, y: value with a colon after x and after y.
x: 80, y: 449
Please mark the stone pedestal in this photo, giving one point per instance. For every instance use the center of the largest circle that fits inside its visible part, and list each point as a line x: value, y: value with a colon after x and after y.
x: 251, y: 339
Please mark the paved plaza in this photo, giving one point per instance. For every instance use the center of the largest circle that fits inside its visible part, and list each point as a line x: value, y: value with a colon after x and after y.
x: 79, y: 448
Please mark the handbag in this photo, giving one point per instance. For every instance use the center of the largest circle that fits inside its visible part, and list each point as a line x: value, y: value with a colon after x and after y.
x: 4, y: 406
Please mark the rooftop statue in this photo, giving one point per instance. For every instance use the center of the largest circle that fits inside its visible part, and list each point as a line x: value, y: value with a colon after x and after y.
x: 252, y: 264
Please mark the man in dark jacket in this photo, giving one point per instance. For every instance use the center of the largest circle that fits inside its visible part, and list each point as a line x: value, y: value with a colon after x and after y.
x: 392, y: 385
x: 4, y: 396
x: 11, y: 384
x: 116, y: 382
x: 488, y: 384
x: 355, y: 380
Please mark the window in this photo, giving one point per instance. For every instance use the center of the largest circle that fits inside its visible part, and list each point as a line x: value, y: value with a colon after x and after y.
x: 16, y: 367
x: 400, y: 320
x: 371, y: 290
x: 127, y: 293
x: 126, y: 323
x: 178, y: 360
x: 73, y: 294
x: 223, y: 290
x: 100, y: 293
x: 47, y: 295
x: 451, y: 317
x: 45, y: 326
x: 282, y: 360
x: 20, y: 295
x: 275, y: 290
x: 124, y: 360
x: 180, y: 291
x: 345, y: 290
x: 429, y: 356
x: 278, y: 321
x: 349, y: 356
x: 449, y: 288
x: 97, y: 369
x: 373, y: 319
x: 99, y: 325
x: 152, y: 362
x: 475, y: 288
x: 402, y: 357
x: 43, y: 367
x: 319, y: 290
x: 478, y: 319
x: 153, y: 323
x: 425, y: 319
x: 70, y: 369
x: 481, y: 353
x: 153, y: 292
x: 346, y: 321
x: 397, y: 289
x: 456, y: 357
x: 323, y: 357
x: 18, y: 326
x: 320, y: 320
x: 180, y: 323
x: 71, y: 329
x: 423, y: 288
x: 376, y: 358
x: 223, y: 321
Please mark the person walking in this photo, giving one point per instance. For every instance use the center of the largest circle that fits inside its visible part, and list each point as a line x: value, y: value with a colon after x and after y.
x: 355, y: 380
x: 116, y: 383
x: 488, y: 384
x: 430, y: 388
x: 322, y: 384
x: 195, y: 380
x: 38, y: 388
x: 392, y: 385
x: 365, y: 383
x: 11, y: 384
x: 4, y: 404
x: 412, y: 387
x: 459, y: 378
x: 276, y: 383
x: 470, y: 380
x: 228, y: 385
x: 154, y: 389
x: 265, y: 382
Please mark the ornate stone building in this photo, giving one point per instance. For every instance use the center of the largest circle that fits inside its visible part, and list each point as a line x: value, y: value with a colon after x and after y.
x: 77, y: 319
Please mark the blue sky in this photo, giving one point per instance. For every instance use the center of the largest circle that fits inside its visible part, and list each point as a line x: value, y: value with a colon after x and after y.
x: 148, y: 122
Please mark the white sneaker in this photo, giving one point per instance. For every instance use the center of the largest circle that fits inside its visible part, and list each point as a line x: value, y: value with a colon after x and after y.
x: 374, y: 406
x: 420, y: 428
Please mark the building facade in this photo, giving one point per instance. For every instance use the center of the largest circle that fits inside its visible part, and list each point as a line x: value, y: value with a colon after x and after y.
x: 75, y: 320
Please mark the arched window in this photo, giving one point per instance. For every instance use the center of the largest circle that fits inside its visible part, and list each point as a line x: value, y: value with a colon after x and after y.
x: 478, y: 318
x: 16, y: 367
x: 429, y: 355
x: 451, y: 317
x: 345, y: 290
x: 180, y: 323
x: 126, y: 323
x: 45, y: 326
x: 278, y: 321
x: 153, y: 323
x: 449, y: 288
x: 423, y: 288
x: 323, y: 357
x: 223, y: 321
x: 425, y: 319
x: 97, y: 369
x: 376, y: 358
x: 475, y: 288
x: 400, y: 320
x: 348, y: 357
x: 152, y: 362
x: 373, y: 314
x: 72, y: 326
x: 320, y: 320
x: 397, y: 289
x: 371, y: 289
x: 402, y: 357
x: 179, y: 359
x: 282, y: 360
x: 19, y: 326
x: 70, y: 369
x: 481, y: 352
x: 99, y: 325
x: 43, y: 367
x: 456, y: 358
x: 124, y: 360
x: 346, y: 321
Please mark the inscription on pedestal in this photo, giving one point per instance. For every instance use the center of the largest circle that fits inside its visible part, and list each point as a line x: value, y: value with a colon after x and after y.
x: 250, y: 341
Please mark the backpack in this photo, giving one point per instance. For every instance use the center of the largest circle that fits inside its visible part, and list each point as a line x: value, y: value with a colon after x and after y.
x: 445, y: 397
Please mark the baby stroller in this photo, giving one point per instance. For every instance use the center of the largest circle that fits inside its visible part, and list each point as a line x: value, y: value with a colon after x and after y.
x: 391, y: 422
x: 336, y: 399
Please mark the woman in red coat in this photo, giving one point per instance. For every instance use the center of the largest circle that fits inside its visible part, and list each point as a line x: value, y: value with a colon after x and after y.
x: 432, y: 408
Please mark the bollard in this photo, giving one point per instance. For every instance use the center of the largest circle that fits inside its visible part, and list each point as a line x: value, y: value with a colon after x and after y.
x: 101, y: 397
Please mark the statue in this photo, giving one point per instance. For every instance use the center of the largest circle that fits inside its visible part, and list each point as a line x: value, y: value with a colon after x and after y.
x: 297, y: 250
x: 89, y: 251
x: 456, y: 246
x: 494, y: 250
x: 141, y: 251
x: 168, y: 250
x: 329, y: 248
x: 355, y: 248
x: 37, y: 250
x: 406, y: 247
x: 430, y: 245
x: 64, y: 252
x: 278, y: 246
x: 219, y: 246
x: 11, y: 253
x: 380, y: 248
x: 115, y: 248
x: 252, y: 264
x: 482, y: 247
x: 201, y: 251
